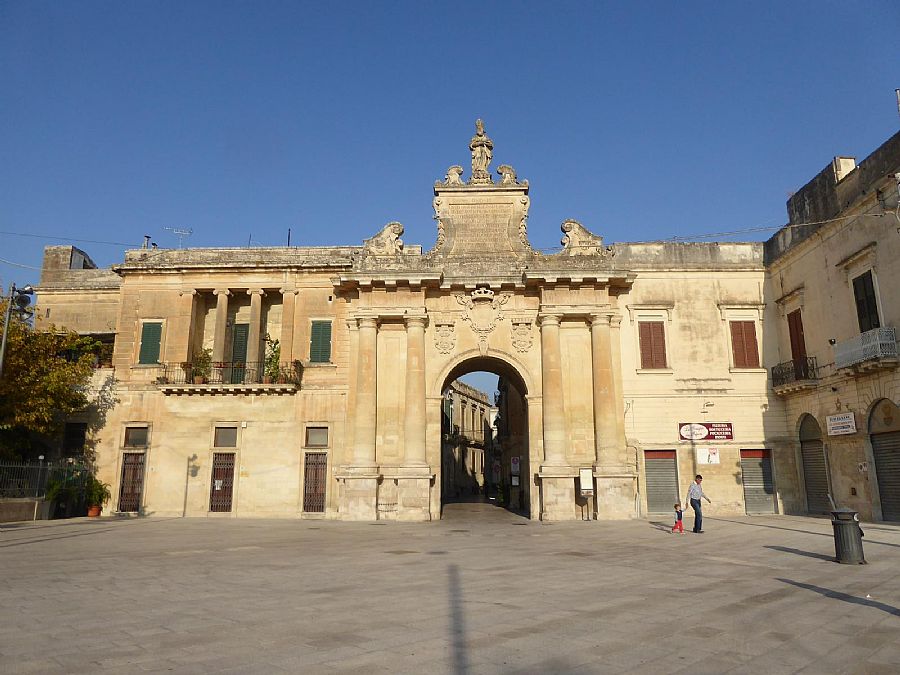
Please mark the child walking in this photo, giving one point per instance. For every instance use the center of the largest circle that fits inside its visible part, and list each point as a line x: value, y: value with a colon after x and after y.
x: 679, y: 525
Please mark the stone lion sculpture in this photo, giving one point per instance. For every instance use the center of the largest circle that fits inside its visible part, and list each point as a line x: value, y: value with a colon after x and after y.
x: 386, y: 242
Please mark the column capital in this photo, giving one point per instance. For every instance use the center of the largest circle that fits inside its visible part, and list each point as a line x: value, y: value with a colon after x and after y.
x: 187, y: 291
x: 600, y: 319
x: 615, y: 320
x: 412, y: 321
x: 352, y: 324
x: 288, y: 291
x: 549, y: 319
x: 256, y: 291
x: 367, y: 322
x: 222, y: 291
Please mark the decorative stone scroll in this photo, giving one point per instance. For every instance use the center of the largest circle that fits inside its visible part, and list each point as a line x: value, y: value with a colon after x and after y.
x: 453, y: 177
x: 522, y: 337
x: 578, y: 240
x: 444, y: 336
x: 482, y: 310
x: 386, y: 242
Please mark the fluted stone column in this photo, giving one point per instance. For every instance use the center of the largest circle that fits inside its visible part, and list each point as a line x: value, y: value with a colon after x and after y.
x: 604, y: 389
x: 551, y: 375
x: 221, y: 323
x: 254, y: 332
x: 414, y: 422
x: 365, y: 414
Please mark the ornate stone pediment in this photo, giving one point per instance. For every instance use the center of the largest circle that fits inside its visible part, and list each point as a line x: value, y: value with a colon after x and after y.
x: 386, y: 242
x: 578, y: 240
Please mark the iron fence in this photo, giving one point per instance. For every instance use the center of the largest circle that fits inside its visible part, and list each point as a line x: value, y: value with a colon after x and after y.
x: 38, y: 479
x: 230, y: 372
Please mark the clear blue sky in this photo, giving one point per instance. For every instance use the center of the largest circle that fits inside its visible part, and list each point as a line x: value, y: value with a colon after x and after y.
x: 242, y: 119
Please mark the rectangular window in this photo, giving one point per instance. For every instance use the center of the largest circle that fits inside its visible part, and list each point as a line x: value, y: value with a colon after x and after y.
x: 316, y: 437
x: 652, y: 338
x: 320, y: 342
x: 136, y: 437
x: 225, y: 437
x: 743, y: 344
x: 151, y: 336
x: 866, y: 306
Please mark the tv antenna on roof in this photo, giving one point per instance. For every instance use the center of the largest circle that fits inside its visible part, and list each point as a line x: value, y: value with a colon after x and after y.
x: 182, y: 233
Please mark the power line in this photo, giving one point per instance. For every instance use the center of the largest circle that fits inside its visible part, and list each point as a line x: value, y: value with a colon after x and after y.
x: 81, y: 241
x: 15, y: 264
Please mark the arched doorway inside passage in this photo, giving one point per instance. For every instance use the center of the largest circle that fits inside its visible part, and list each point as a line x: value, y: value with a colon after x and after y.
x: 484, y: 459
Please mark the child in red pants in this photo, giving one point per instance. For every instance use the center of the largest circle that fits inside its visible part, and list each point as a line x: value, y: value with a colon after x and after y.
x: 679, y: 526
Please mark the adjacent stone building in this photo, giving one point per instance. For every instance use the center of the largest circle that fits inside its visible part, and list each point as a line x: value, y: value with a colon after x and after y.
x: 624, y: 369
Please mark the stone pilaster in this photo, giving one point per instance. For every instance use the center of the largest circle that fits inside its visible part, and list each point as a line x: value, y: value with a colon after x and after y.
x: 254, y: 334
x: 604, y: 390
x: 221, y: 323
x: 178, y: 342
x: 414, y: 478
x: 286, y: 339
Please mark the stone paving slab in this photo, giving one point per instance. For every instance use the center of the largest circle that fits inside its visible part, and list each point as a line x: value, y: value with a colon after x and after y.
x: 482, y: 591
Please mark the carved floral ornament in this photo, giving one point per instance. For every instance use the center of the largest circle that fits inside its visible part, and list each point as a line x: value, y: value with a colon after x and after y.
x: 482, y: 309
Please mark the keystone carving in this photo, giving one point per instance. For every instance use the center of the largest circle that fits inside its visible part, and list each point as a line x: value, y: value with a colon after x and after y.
x: 482, y: 309
x: 578, y: 240
x: 386, y: 242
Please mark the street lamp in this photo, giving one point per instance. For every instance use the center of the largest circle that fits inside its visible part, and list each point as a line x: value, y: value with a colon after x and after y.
x: 21, y: 298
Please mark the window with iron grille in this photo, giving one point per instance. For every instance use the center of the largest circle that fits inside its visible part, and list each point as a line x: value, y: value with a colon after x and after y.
x: 136, y: 437
x: 744, y: 348
x: 151, y: 336
x: 316, y: 437
x: 320, y: 342
x: 866, y: 304
x: 225, y: 437
x: 652, y: 339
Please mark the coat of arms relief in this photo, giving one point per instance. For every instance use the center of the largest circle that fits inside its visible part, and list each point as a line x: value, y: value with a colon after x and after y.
x: 522, y: 337
x: 482, y: 309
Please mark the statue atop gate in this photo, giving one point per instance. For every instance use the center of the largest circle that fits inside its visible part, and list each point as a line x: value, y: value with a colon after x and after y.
x: 482, y: 148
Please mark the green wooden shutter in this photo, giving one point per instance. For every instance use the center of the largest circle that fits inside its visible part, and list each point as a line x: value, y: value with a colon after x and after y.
x: 239, y: 342
x: 151, y: 335
x: 320, y: 342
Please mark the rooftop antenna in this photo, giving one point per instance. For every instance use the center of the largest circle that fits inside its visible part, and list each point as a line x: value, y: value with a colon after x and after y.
x: 182, y: 233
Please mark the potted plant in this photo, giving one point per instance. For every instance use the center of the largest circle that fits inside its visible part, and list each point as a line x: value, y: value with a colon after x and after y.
x: 96, y: 495
x: 272, y: 364
x: 202, y: 365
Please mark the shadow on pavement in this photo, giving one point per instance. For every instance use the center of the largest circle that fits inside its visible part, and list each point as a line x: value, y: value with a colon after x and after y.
x: 844, y: 597
x: 794, y: 529
x: 457, y: 621
x: 95, y: 528
x: 797, y: 551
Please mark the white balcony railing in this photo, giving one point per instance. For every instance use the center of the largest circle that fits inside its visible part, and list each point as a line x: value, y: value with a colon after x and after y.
x: 873, y: 345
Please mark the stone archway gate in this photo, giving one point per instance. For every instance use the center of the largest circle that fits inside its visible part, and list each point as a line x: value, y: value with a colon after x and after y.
x: 482, y: 291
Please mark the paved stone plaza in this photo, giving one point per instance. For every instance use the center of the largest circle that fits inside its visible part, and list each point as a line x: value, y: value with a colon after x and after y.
x: 482, y: 591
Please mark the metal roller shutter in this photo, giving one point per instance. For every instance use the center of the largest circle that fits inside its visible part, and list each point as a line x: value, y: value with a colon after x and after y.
x: 815, y: 476
x: 759, y: 486
x: 886, y: 448
x: 662, y: 480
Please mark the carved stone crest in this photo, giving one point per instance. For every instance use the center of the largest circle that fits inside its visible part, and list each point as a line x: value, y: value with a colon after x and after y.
x: 482, y: 309
x: 578, y: 240
x: 444, y: 337
x: 522, y: 337
x: 386, y: 242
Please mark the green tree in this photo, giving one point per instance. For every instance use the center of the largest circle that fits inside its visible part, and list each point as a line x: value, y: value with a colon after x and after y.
x: 45, y: 379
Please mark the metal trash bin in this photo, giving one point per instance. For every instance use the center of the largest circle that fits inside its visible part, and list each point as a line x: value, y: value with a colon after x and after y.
x: 848, y: 549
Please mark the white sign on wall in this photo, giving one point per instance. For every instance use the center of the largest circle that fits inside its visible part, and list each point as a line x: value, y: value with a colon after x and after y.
x: 843, y: 423
x: 708, y: 456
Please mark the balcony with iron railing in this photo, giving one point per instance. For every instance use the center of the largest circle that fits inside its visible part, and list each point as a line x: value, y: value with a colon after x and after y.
x: 873, y: 350
x: 795, y: 375
x: 229, y: 377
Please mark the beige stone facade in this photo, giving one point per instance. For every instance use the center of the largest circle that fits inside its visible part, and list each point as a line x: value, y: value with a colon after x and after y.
x: 624, y: 369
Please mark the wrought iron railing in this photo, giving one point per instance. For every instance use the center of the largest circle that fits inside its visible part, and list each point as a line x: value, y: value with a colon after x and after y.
x: 794, y: 371
x: 35, y: 479
x: 230, y: 372
x: 878, y: 343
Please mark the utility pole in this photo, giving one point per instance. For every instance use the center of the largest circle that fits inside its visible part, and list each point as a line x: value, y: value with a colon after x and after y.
x: 20, y: 297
